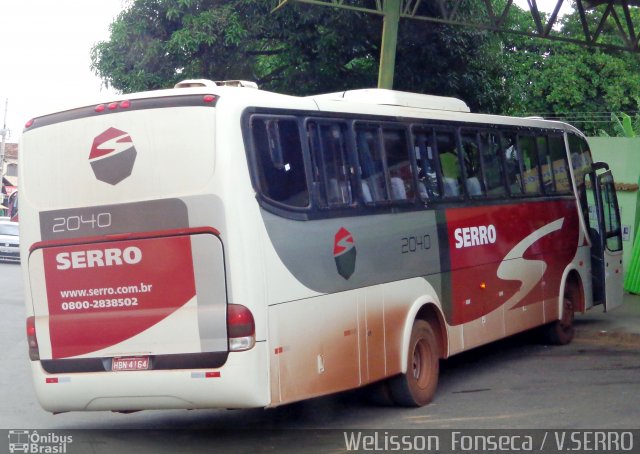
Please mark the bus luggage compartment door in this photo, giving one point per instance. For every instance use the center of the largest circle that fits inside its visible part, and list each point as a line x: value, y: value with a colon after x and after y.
x: 155, y: 296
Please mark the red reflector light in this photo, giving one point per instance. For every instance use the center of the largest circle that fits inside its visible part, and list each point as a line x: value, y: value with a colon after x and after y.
x: 212, y: 374
x: 32, y: 340
x: 113, y: 106
x: 208, y: 98
x: 28, y: 124
x: 51, y: 380
x: 31, y: 327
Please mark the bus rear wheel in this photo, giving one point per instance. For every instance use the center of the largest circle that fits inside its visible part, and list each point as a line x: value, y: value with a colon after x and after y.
x: 561, y: 331
x: 418, y: 386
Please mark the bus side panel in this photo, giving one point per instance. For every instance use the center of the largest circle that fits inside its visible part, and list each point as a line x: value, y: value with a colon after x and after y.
x: 339, y: 254
x: 583, y: 260
x: 343, y: 340
x: 315, y: 344
x: 506, y: 260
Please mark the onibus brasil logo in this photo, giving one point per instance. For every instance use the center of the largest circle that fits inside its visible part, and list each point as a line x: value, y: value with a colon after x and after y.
x: 30, y: 441
x: 112, y: 156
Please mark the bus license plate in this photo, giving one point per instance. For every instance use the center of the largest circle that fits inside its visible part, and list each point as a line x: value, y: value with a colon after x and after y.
x: 130, y: 363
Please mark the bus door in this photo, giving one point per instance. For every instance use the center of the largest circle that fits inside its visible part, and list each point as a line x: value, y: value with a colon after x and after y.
x: 606, y: 238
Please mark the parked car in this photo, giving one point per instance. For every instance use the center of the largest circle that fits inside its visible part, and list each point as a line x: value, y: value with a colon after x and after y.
x: 9, y: 242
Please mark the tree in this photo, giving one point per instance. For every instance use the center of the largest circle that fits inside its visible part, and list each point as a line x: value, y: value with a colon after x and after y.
x: 304, y: 49
x: 624, y: 126
x: 570, y: 82
x: 300, y: 49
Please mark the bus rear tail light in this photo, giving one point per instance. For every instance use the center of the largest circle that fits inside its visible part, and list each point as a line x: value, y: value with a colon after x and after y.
x: 241, y: 328
x: 34, y: 354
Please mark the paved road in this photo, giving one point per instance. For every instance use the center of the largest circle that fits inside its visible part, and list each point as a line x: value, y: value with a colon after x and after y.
x: 516, y: 383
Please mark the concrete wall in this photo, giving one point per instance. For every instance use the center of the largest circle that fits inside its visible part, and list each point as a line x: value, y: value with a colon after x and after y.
x: 623, y: 156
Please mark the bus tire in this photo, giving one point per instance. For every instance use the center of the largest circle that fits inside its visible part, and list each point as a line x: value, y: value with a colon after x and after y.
x: 561, y: 331
x: 418, y: 386
x: 379, y: 394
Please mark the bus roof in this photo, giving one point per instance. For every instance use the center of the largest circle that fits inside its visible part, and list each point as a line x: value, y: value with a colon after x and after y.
x: 364, y: 101
x: 380, y: 96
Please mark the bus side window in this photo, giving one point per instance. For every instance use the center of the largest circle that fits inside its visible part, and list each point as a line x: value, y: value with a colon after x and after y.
x: 529, y: 155
x: 448, y: 154
x: 398, y: 164
x: 474, y: 181
x: 544, y: 160
x: 612, y: 227
x: 512, y: 163
x: 374, y: 182
x: 559, y: 165
x: 580, y: 158
x: 329, y: 163
x: 581, y: 163
x: 493, y: 170
x: 279, y: 161
x: 424, y: 148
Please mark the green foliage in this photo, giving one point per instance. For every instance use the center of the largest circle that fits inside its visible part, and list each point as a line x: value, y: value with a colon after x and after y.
x: 300, y: 49
x: 623, y: 126
x: 571, y: 82
x: 306, y: 49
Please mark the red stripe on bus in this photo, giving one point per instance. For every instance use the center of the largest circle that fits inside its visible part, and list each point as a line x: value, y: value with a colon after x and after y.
x: 122, y: 237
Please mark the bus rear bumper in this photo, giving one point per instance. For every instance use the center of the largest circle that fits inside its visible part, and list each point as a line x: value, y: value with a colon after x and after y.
x: 242, y: 382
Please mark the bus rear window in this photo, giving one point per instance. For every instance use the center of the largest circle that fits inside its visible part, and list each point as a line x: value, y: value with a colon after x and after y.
x: 279, y: 160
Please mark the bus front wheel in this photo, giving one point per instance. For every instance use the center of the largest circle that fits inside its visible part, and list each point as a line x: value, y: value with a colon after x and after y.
x: 417, y: 386
x: 561, y: 331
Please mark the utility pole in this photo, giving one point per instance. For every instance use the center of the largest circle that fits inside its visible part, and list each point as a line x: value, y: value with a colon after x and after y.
x: 391, y: 11
x: 3, y: 132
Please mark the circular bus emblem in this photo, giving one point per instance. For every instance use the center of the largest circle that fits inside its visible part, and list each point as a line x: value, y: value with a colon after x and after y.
x: 112, y: 156
x: 344, y: 253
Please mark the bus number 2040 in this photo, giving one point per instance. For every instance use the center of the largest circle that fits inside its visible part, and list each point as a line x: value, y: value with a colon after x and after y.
x: 416, y: 243
x: 72, y: 223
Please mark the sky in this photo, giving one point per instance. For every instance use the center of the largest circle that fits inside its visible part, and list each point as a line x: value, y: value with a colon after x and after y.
x: 45, y: 63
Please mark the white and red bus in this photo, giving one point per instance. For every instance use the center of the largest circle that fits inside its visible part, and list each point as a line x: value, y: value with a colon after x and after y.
x: 219, y: 246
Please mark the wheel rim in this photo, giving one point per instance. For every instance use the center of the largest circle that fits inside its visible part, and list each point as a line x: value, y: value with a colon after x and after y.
x: 420, y: 363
